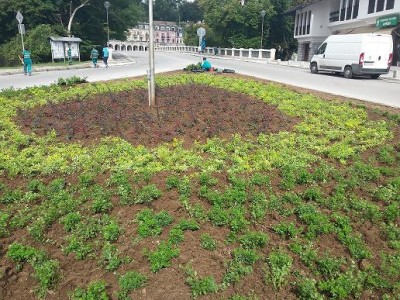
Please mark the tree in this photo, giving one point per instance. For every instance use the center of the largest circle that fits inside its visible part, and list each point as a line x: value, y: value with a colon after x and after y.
x: 191, y: 12
x: 236, y: 25
x: 72, y: 15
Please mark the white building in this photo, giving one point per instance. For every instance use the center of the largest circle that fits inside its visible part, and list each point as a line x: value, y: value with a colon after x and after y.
x: 318, y: 19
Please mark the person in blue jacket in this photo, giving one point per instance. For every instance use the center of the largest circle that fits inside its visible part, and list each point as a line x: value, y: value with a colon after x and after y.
x: 105, y: 55
x: 205, y: 65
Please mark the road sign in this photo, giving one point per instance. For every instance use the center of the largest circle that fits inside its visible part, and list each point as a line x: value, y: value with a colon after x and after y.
x: 201, y: 32
x: 19, y: 17
x: 21, y: 28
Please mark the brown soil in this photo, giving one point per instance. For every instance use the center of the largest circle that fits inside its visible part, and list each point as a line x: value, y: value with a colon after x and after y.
x: 192, y: 113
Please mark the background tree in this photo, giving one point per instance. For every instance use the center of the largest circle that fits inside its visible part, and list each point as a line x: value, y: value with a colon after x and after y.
x: 89, y: 22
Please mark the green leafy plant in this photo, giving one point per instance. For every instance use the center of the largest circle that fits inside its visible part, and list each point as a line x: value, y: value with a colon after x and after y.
x: 161, y: 257
x: 207, y: 242
x: 307, y: 290
x: 150, y: 224
x: 111, y: 231
x: 280, y: 264
x: 71, y: 81
x: 46, y: 271
x: 287, y: 230
x: 96, y: 290
x: 253, y: 239
x: 128, y: 282
x: 147, y: 194
x: 200, y: 286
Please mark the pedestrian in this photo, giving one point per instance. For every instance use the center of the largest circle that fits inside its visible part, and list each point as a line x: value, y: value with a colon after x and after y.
x: 94, y: 54
x: 69, y: 52
x: 27, y: 61
x: 215, y: 50
x: 105, y: 55
x: 205, y: 65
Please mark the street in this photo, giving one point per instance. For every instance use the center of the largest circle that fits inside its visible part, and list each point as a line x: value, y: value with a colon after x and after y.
x: 383, y: 90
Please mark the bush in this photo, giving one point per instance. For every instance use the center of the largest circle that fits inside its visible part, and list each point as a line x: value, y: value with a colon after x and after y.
x: 37, y: 40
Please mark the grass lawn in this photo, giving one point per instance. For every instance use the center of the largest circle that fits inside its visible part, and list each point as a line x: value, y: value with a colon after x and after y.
x: 231, y: 188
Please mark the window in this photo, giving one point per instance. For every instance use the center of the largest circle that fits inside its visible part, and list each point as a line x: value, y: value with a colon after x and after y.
x: 355, y: 10
x: 371, y: 6
x: 389, y: 4
x: 349, y: 9
x: 321, y: 49
x: 380, y: 5
x: 343, y: 11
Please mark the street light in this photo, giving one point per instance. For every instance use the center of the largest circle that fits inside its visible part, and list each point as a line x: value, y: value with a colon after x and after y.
x: 107, y: 6
x: 262, y: 13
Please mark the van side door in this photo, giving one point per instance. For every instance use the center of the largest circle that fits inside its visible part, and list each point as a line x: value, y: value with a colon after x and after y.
x: 319, y: 56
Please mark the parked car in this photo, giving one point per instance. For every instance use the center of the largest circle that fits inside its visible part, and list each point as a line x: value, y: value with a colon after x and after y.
x: 354, y: 54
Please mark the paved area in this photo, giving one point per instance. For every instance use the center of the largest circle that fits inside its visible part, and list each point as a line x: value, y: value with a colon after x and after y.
x: 118, y: 60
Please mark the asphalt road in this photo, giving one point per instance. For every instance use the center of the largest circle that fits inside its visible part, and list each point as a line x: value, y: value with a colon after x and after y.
x: 383, y: 90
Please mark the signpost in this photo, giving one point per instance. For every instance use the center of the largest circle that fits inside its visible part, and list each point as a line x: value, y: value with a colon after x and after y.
x: 21, y: 27
x: 201, y: 32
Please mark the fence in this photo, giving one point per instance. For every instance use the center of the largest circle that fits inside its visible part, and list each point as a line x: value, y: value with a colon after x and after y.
x: 268, y: 54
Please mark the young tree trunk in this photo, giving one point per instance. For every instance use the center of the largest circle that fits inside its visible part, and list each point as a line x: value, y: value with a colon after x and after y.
x: 71, y: 18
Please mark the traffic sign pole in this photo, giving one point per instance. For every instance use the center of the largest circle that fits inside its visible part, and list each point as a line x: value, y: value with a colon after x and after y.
x: 21, y: 28
x: 201, y: 32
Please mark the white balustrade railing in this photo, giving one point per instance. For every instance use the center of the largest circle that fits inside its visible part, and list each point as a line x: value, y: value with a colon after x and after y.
x: 267, y: 54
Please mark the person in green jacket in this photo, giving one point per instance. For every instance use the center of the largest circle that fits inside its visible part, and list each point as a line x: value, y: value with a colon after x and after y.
x: 94, y: 54
x: 27, y: 61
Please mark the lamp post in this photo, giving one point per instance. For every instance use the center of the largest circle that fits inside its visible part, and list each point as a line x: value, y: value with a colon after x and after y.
x: 262, y: 13
x: 107, y: 6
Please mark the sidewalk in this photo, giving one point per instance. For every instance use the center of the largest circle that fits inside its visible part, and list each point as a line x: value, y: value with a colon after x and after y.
x: 119, y: 60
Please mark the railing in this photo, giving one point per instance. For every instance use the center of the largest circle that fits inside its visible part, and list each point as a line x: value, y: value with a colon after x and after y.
x: 268, y: 54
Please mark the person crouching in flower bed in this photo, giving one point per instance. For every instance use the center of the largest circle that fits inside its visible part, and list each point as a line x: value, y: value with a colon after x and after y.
x: 205, y: 65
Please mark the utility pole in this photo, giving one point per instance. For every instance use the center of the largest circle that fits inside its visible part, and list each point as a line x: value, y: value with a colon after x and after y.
x: 151, y: 72
x: 107, y: 6
x: 262, y: 13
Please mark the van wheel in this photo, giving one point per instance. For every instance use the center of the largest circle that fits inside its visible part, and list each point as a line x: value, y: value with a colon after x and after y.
x: 348, y: 72
x: 375, y: 76
x: 314, y: 68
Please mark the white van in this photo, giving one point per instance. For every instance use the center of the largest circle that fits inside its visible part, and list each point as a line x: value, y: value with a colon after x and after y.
x: 354, y: 54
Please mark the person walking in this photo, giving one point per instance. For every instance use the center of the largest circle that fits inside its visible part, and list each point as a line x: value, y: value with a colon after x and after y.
x: 27, y: 61
x: 94, y: 54
x: 105, y: 55
x: 205, y: 65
